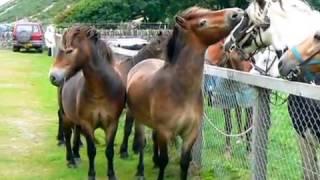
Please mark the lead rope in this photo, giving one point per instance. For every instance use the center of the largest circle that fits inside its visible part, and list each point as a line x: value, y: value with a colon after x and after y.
x: 222, y: 132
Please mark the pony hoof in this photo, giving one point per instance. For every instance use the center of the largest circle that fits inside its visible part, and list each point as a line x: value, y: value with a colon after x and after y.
x: 124, y: 155
x: 113, y: 177
x: 71, y: 165
x: 77, y: 160
x: 91, y: 177
x: 61, y: 143
x: 140, y: 178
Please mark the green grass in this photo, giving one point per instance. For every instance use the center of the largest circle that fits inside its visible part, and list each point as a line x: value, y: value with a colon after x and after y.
x: 283, y: 154
x: 28, y: 125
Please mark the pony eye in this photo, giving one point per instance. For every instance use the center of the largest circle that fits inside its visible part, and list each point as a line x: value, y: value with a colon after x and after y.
x: 203, y: 23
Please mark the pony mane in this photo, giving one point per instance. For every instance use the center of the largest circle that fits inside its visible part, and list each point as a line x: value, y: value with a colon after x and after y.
x: 174, y: 45
x: 104, y: 50
x: 150, y: 50
x: 193, y: 12
x: 101, y: 47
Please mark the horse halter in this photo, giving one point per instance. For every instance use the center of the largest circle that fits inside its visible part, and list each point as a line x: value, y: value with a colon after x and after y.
x: 267, y: 68
x: 303, y: 63
x: 240, y: 37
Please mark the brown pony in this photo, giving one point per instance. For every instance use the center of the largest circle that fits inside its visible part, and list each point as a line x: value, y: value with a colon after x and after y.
x: 93, y: 94
x: 156, y: 49
x: 166, y: 96
x: 216, y: 56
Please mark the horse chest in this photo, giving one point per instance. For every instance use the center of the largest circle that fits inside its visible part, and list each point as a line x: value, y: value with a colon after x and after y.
x: 99, y: 113
x: 96, y: 111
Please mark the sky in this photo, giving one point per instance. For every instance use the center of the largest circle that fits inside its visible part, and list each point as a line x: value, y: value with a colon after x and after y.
x: 3, y: 1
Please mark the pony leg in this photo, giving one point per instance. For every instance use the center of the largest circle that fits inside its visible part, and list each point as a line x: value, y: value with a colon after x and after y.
x: 69, y: 154
x: 60, y: 136
x: 110, y: 135
x: 76, y: 144
x: 163, y: 155
x: 155, y: 157
x: 91, y: 152
x: 239, y: 118
x: 249, y: 113
x: 140, y: 143
x: 309, y: 160
x: 228, y: 128
x: 127, y: 131
x: 210, y: 104
x: 186, y: 152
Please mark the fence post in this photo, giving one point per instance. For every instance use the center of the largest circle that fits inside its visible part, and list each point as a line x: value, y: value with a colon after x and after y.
x: 261, y: 125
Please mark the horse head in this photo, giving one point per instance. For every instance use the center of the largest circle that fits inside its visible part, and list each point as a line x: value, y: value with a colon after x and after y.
x: 302, y: 59
x: 201, y: 27
x: 78, y: 44
x: 216, y: 56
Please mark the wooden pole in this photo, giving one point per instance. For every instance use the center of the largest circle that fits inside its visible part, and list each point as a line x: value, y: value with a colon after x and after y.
x: 261, y: 126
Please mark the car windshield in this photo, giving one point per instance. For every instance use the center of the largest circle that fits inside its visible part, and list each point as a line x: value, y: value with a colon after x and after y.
x: 28, y: 28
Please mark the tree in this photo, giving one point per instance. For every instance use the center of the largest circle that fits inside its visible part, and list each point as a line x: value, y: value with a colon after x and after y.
x: 103, y: 11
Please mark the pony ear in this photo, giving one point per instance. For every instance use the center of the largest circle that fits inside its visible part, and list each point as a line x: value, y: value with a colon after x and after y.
x: 93, y: 34
x: 181, y: 22
x: 261, y: 3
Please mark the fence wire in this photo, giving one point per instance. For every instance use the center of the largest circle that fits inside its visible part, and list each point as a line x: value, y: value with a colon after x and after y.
x: 250, y: 132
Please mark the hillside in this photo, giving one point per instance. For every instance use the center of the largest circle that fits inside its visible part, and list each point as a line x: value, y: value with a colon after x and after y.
x: 44, y: 10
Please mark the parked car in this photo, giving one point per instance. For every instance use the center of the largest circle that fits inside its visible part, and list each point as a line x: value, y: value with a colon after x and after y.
x: 28, y: 35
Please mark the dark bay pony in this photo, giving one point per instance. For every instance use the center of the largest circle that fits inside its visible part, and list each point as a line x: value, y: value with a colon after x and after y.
x: 166, y: 96
x: 155, y: 49
x: 216, y: 56
x: 93, y: 94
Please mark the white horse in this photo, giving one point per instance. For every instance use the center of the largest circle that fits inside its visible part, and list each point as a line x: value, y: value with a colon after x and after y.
x: 283, y: 24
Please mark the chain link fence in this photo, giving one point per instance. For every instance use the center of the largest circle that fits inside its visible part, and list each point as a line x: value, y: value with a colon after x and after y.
x: 258, y: 127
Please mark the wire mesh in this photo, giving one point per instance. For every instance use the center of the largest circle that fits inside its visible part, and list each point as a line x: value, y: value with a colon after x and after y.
x: 253, y: 132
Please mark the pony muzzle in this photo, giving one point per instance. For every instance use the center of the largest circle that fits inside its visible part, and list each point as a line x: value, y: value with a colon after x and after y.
x: 288, y: 67
x: 57, y: 76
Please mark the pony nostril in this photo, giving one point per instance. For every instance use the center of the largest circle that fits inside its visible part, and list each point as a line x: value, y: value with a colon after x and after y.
x: 52, y: 79
x: 280, y: 65
x: 234, y: 16
x: 68, y: 50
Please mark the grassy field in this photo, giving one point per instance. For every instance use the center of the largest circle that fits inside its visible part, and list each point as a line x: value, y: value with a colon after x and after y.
x: 28, y: 126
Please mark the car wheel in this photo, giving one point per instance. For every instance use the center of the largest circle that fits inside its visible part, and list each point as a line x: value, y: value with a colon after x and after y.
x: 40, y: 50
x: 15, y: 49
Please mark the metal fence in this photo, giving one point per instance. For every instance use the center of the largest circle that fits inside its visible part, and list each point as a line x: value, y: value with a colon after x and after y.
x: 276, y: 150
x: 147, y: 34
